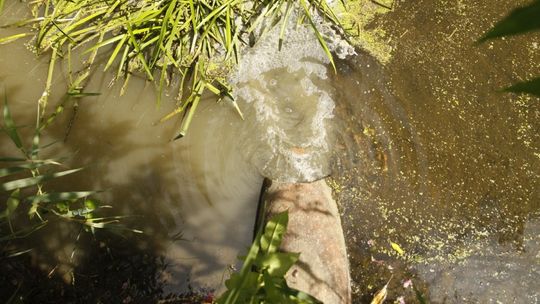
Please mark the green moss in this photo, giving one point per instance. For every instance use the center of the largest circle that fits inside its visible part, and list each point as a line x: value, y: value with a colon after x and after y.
x: 356, y: 18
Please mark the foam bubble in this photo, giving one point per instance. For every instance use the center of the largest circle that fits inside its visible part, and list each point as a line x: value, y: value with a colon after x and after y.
x: 287, y: 104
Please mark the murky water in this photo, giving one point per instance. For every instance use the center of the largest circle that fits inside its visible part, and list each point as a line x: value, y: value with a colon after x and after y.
x: 426, y: 155
x: 187, y: 196
x: 195, y: 199
x: 440, y: 163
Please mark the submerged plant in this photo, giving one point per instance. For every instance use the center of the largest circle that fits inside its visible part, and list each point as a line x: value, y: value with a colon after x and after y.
x: 191, y: 43
x: 262, y: 277
x: 23, y: 181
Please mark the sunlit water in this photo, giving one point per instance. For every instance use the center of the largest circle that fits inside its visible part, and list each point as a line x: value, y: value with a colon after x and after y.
x: 195, y: 199
x: 423, y: 153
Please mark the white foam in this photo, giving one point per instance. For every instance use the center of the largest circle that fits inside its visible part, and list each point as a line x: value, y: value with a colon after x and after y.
x: 287, y: 130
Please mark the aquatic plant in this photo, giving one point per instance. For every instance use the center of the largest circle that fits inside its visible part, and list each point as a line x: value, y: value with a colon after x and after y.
x: 192, y: 44
x: 23, y: 181
x: 520, y: 21
x: 262, y: 277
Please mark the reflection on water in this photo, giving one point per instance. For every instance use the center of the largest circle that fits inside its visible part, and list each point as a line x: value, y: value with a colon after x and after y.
x: 432, y: 158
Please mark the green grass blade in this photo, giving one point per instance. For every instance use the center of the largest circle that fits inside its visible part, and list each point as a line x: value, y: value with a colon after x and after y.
x: 43, y: 100
x: 163, y: 31
x: 318, y: 34
x: 284, y: 24
x: 12, y: 204
x: 233, y: 294
x: 19, y: 168
x: 83, y: 21
x: 137, y: 47
x: 12, y: 38
x: 60, y: 196
x: 10, y: 128
x: 215, y: 12
x: 106, y: 42
x: 32, y: 181
x: 187, y: 121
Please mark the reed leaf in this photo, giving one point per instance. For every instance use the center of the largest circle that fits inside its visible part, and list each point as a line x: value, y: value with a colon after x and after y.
x: 32, y: 181
x: 12, y: 38
x: 10, y: 128
x: 169, y: 38
x: 19, y: 168
x: 60, y: 196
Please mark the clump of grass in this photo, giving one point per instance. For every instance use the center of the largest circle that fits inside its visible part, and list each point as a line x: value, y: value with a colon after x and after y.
x: 195, y: 41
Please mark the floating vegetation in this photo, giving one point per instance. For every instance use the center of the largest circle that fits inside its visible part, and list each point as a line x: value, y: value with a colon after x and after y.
x: 193, y: 44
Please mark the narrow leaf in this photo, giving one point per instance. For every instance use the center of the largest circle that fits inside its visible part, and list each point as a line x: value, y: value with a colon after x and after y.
x: 12, y: 38
x: 32, y: 181
x: 60, y: 196
x: 273, y: 233
x: 10, y: 127
x: 278, y: 263
x: 12, y: 204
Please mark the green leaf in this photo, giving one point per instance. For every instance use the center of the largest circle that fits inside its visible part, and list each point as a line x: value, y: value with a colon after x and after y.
x: 273, y: 294
x: 12, y: 38
x: 245, y: 277
x: 10, y: 127
x: 32, y: 181
x: 12, y: 204
x: 519, y: 21
x: 320, y: 38
x: 530, y: 87
x: 91, y: 204
x: 299, y: 296
x: 273, y: 233
x: 278, y: 263
x: 250, y: 286
x: 19, y: 168
x: 60, y: 196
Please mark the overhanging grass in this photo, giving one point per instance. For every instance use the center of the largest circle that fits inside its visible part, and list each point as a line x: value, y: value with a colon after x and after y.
x: 197, y: 41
